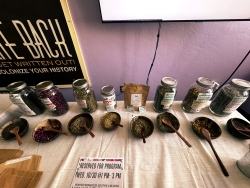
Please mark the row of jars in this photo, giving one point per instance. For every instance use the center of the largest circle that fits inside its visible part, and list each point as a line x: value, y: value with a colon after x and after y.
x: 47, y: 96
x: 226, y: 101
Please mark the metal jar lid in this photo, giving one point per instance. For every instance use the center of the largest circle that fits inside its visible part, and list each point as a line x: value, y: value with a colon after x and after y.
x: 44, y: 85
x: 80, y: 83
x: 169, y: 81
x: 206, y: 82
x: 239, y: 83
x: 107, y: 90
x: 16, y: 86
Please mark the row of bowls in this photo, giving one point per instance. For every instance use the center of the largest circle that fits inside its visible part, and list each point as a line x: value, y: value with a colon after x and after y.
x: 111, y: 120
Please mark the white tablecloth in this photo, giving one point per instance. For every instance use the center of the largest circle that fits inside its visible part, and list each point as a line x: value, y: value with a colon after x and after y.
x: 164, y: 161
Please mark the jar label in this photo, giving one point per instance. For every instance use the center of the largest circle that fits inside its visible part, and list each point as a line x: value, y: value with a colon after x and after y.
x: 109, y: 101
x: 167, y: 100
x: 136, y: 99
x: 201, y: 101
x: 82, y: 103
x: 49, y: 105
x: 234, y: 104
x: 17, y: 100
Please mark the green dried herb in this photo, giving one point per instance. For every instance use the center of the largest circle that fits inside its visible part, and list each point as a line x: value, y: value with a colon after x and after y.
x: 191, y: 96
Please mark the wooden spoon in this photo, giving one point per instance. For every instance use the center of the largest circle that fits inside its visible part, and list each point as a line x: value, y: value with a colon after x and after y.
x: 117, y: 124
x: 240, y: 127
x: 142, y: 134
x: 83, y: 125
x: 207, y: 136
x: 50, y: 128
x: 166, y: 121
x: 15, y: 132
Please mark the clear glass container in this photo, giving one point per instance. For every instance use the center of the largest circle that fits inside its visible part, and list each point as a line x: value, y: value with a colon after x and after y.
x: 84, y: 96
x: 52, y: 98
x: 198, y: 95
x: 230, y: 97
x: 109, y: 97
x: 164, y: 95
x: 25, y: 98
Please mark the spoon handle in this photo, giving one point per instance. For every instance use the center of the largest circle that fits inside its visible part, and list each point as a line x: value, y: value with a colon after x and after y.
x: 143, y: 137
x: 65, y: 133
x: 224, y: 170
x: 89, y: 131
x: 18, y: 139
x: 179, y: 134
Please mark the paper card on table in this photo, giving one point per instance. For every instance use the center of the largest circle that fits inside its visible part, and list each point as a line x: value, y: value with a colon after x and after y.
x: 98, y: 172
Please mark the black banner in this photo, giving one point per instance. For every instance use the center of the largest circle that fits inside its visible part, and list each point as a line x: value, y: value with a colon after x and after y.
x: 36, y: 44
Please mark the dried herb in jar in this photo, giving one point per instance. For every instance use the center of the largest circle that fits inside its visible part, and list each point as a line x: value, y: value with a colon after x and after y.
x: 165, y: 94
x: 84, y: 96
x: 191, y: 96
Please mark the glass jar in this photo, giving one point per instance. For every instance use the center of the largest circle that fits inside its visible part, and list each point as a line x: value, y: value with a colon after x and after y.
x: 52, y: 98
x: 198, y: 95
x: 109, y: 97
x: 165, y: 94
x: 230, y: 97
x: 25, y: 98
x: 84, y: 96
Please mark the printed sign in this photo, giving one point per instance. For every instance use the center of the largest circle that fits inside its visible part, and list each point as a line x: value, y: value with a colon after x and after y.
x: 98, y: 172
x: 37, y: 43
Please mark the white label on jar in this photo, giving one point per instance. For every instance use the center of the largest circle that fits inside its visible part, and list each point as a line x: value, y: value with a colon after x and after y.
x: 234, y: 104
x: 109, y: 101
x: 82, y: 103
x: 17, y: 100
x: 201, y: 101
x: 136, y: 99
x: 49, y: 105
x: 167, y: 100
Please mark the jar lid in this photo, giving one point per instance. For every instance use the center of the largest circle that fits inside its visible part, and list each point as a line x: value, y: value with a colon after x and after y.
x: 16, y: 86
x: 169, y: 81
x: 243, y: 84
x: 44, y: 85
x: 107, y: 90
x: 80, y: 83
x: 205, y: 82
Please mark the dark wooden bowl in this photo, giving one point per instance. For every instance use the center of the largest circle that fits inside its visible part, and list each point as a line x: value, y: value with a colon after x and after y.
x: 20, y: 122
x: 234, y: 131
x: 204, y: 122
x: 165, y: 128
x: 138, y: 122
x: 74, y: 124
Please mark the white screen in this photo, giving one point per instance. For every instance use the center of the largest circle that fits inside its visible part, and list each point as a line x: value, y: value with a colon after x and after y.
x: 174, y: 10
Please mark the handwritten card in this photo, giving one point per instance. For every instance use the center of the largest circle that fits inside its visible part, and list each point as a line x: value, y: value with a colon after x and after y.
x: 98, y: 172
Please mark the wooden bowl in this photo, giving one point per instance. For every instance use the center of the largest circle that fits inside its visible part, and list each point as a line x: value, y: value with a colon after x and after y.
x: 39, y: 135
x: 140, y: 122
x: 107, y: 120
x: 20, y: 122
x: 204, y: 122
x: 74, y: 124
x: 165, y: 128
x: 234, y: 131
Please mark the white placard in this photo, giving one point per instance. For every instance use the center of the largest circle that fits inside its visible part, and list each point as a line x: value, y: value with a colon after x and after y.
x: 98, y: 173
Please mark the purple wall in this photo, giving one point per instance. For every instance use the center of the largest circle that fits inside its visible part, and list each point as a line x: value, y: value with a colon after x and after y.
x: 115, y: 53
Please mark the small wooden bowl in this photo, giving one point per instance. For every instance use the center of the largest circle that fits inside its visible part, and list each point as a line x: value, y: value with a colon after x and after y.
x: 139, y: 122
x: 107, y: 120
x: 165, y: 128
x: 204, y: 122
x: 234, y: 131
x: 74, y: 124
x: 20, y: 122
x: 39, y: 135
